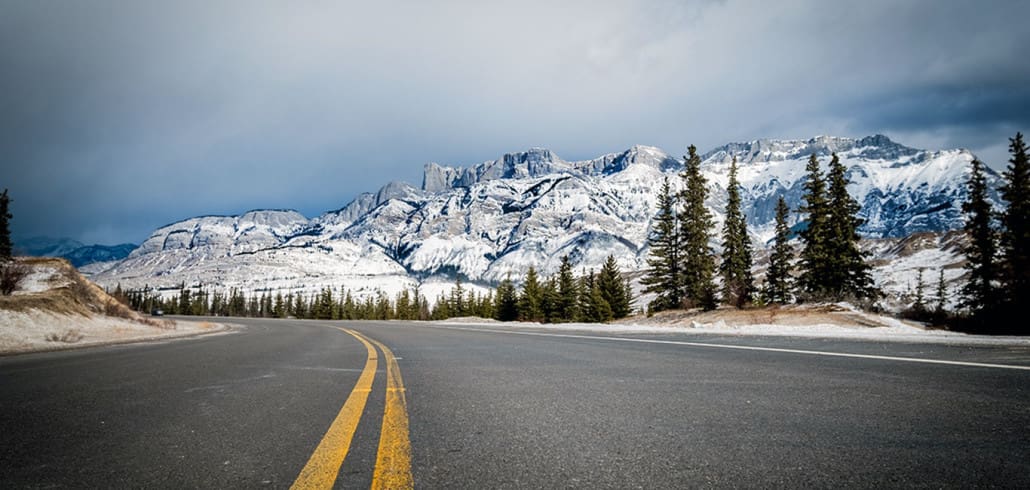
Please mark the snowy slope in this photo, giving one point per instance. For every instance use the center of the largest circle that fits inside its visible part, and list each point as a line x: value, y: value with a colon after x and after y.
x: 530, y: 208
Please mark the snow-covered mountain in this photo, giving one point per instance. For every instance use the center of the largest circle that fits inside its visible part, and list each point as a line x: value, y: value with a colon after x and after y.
x: 530, y: 208
x: 78, y: 254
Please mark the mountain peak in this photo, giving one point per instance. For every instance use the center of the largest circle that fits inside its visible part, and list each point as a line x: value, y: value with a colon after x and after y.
x: 875, y: 147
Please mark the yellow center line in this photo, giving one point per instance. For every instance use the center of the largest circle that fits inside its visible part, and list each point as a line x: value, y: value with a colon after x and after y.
x: 324, y: 465
x: 393, y: 461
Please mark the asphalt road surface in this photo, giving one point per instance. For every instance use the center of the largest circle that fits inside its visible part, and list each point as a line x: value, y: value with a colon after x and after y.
x: 283, y: 403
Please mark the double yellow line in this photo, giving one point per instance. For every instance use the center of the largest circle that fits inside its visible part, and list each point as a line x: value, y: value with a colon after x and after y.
x: 393, y: 460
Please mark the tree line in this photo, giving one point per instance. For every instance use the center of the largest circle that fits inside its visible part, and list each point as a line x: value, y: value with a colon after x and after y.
x: 998, y: 251
x: 682, y: 266
x: 591, y: 297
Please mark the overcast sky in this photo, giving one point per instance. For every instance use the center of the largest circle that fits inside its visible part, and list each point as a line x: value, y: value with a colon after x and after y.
x: 119, y: 117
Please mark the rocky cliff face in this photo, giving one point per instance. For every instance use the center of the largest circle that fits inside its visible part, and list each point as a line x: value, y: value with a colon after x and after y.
x: 530, y: 208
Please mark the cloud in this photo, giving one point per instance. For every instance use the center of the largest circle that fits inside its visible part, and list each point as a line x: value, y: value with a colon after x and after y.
x: 120, y: 116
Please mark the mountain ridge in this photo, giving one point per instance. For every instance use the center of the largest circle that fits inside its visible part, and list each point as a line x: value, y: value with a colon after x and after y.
x: 500, y: 216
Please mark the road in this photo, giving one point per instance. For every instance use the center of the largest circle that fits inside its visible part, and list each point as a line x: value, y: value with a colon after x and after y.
x: 496, y: 407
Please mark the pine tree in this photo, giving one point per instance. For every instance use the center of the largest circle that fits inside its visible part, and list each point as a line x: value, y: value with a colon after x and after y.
x: 777, y: 277
x: 183, y: 307
x: 942, y: 295
x: 735, y: 268
x: 457, y: 306
x: 592, y: 303
x: 919, y: 305
x: 612, y: 288
x: 664, y: 275
x: 6, y: 249
x: 1015, y: 227
x: 568, y: 291
x: 279, y: 308
x: 403, y: 305
x: 550, y: 302
x: 529, y: 301
x: 847, y: 275
x: 813, y: 263
x: 695, y: 228
x: 506, y: 301
x: 442, y: 308
x: 383, y: 309
x: 979, y: 292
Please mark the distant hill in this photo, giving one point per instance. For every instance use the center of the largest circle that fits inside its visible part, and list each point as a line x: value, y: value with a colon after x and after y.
x: 76, y: 252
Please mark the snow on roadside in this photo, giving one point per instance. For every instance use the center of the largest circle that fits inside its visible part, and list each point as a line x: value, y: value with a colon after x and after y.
x: 896, y: 331
x: 38, y: 280
x: 38, y: 331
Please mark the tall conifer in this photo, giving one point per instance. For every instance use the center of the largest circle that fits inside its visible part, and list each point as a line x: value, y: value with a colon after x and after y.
x: 612, y: 288
x: 506, y: 301
x: 695, y: 230
x: 568, y: 291
x: 777, y: 277
x: 1015, y: 226
x: 979, y: 292
x: 847, y: 275
x: 530, y: 300
x: 664, y: 275
x: 735, y: 268
x: 813, y: 263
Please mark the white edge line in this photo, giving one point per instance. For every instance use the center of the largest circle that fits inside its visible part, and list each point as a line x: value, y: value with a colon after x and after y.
x: 746, y: 347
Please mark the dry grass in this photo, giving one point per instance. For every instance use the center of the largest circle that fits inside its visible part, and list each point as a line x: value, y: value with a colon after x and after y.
x: 70, y: 336
x: 72, y: 294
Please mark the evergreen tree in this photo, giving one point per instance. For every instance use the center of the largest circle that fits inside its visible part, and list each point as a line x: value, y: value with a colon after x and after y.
x: 550, y: 302
x: 323, y: 307
x: 593, y: 305
x: 217, y: 304
x: 253, y: 308
x: 568, y: 291
x: 847, y: 275
x: 814, y: 260
x: 457, y: 305
x: 279, y: 308
x: 735, y: 268
x: 198, y: 304
x: 485, y: 305
x: 777, y: 277
x: 402, y: 306
x: 664, y: 275
x: 942, y: 295
x: 1015, y: 227
x: 300, y: 307
x: 506, y: 301
x: 442, y: 308
x: 266, y: 304
x: 383, y: 309
x: 349, y: 310
x: 919, y: 305
x: 694, y: 232
x: 183, y: 306
x: 979, y: 292
x: 612, y: 288
x: 6, y: 249
x: 530, y: 309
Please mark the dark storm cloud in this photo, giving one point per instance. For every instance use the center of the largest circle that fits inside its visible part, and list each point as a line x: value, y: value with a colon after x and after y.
x: 119, y: 116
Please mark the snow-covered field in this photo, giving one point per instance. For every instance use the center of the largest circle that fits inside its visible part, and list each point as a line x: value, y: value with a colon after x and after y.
x: 38, y: 331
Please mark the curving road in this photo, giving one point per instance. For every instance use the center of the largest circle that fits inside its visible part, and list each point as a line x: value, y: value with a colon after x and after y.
x: 497, y: 407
